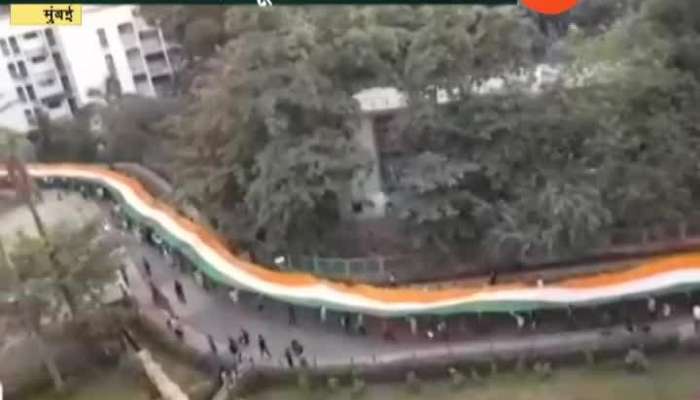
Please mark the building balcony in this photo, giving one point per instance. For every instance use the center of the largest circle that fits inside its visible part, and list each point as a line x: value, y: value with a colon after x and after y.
x: 143, y: 88
x: 151, y: 46
x: 49, y: 88
x: 34, y: 48
x: 137, y: 67
x: 158, y: 68
x: 128, y: 40
x: 40, y: 68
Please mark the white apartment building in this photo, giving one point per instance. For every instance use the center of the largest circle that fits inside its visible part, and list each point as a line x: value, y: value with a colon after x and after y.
x: 60, y: 69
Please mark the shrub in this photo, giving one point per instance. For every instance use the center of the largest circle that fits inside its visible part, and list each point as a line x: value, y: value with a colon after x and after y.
x: 636, y: 361
x: 303, y: 381
x: 457, y: 378
x: 412, y: 382
x: 476, y: 377
x: 521, y: 364
x: 333, y: 383
x: 543, y: 369
x: 494, y: 367
x: 359, y: 387
x: 589, y: 356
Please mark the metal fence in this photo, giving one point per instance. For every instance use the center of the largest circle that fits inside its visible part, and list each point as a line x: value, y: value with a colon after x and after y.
x: 368, y: 269
x: 657, y: 239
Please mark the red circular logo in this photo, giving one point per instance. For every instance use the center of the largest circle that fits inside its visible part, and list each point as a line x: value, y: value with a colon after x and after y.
x: 550, y: 7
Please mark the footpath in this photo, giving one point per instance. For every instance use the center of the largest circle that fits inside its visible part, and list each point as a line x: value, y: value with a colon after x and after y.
x: 326, y: 346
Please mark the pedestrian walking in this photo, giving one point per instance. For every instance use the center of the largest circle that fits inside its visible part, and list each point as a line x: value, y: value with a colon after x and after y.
x: 392, y: 280
x: 292, y: 315
x: 324, y: 314
x: 169, y: 322
x: 147, y: 267
x: 260, y: 304
x: 520, y: 321
x: 233, y: 295
x: 179, y: 332
x: 155, y: 294
x: 361, y: 330
x: 244, y: 338
x: 534, y: 321
x: 122, y: 272
x: 180, y: 292
x: 666, y: 310
x: 297, y: 348
x: 442, y: 330
x: 289, y: 358
x: 262, y: 345
x: 651, y: 307
x: 232, y: 347
x: 629, y: 325
x: 413, y: 322
x: 212, y: 344
x: 388, y: 334
x: 345, y: 322
x: 493, y: 278
x: 696, y: 317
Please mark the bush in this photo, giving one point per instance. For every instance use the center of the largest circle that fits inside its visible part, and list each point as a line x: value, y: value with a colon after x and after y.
x: 543, y: 369
x: 304, y: 380
x: 457, y: 378
x: 521, y: 364
x: 494, y: 367
x: 636, y: 361
x: 333, y: 383
x: 412, y: 382
x: 589, y: 356
x: 476, y: 377
x: 359, y: 387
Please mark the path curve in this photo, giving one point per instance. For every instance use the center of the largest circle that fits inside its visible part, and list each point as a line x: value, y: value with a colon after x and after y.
x: 209, y: 254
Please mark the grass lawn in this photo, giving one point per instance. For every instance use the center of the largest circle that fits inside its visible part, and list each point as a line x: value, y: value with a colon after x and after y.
x: 669, y: 379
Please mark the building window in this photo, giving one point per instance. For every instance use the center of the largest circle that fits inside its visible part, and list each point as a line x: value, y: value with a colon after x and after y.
x: 13, y: 45
x: 30, y: 92
x: 22, y: 69
x: 3, y: 46
x: 103, y: 38
x: 21, y: 95
x: 59, y: 62
x: 53, y: 102
x: 72, y: 105
x: 110, y: 64
x: 46, y: 82
x: 31, y: 120
x: 50, y: 37
x: 66, y: 84
x: 125, y: 28
x: 13, y: 70
x: 31, y: 35
x: 38, y: 59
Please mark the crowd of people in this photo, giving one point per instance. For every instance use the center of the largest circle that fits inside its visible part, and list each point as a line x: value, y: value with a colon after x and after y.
x: 293, y: 354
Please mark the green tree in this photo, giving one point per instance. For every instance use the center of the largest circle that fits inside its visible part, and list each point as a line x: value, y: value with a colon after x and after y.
x: 78, y: 265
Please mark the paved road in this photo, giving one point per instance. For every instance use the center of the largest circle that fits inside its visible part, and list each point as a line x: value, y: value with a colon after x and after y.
x: 325, y: 343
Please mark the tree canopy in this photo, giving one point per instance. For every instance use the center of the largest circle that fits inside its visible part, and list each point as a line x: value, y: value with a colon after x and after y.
x: 267, y: 134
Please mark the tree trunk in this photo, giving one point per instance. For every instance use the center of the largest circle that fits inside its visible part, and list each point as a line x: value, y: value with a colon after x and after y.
x: 40, y: 227
x: 68, y: 298
x: 49, y: 361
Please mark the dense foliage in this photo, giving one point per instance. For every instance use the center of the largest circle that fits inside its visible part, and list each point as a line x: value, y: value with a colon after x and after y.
x: 265, y: 144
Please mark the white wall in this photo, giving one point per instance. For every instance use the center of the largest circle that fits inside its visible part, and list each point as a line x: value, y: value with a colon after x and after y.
x: 12, y: 118
x: 82, y: 47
